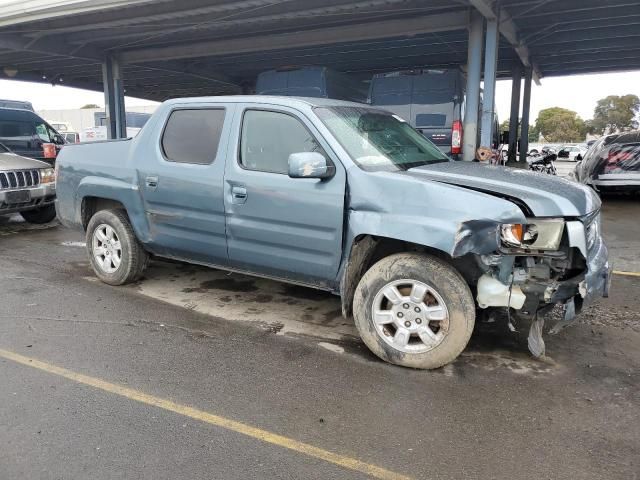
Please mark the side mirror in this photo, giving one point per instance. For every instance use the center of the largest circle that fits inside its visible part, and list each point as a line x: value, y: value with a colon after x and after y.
x: 310, y: 165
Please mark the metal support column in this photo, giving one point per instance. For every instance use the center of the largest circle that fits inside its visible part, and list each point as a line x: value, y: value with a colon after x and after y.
x: 516, y: 82
x: 114, y: 98
x: 109, y: 97
x: 526, y: 107
x: 474, y: 71
x: 490, y: 71
x: 118, y: 90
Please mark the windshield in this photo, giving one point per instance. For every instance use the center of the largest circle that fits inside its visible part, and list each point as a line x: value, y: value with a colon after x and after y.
x: 377, y: 140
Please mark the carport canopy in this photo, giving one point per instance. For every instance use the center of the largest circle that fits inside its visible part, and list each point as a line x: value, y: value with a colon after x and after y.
x: 167, y: 48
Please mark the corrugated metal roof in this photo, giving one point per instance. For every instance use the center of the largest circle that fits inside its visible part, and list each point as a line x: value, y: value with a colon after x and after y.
x: 192, y: 47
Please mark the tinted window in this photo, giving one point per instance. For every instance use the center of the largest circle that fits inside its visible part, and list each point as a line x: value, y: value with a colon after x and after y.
x: 431, y: 120
x: 14, y: 129
x: 192, y: 136
x: 268, y: 138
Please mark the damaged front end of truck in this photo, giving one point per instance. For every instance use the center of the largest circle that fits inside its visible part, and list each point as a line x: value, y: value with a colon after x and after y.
x: 528, y: 268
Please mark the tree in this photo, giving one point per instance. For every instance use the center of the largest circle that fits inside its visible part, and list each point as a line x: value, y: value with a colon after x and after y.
x: 90, y: 105
x: 616, y: 113
x: 559, y: 125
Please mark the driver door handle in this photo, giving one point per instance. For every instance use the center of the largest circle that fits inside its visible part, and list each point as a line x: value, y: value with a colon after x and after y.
x: 238, y: 194
x: 151, y: 182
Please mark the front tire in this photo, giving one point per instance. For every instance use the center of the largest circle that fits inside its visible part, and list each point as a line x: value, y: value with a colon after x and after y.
x: 414, y: 310
x: 116, y: 255
x: 40, y: 215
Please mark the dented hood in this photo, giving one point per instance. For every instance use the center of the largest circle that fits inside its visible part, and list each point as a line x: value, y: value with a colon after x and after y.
x: 545, y: 195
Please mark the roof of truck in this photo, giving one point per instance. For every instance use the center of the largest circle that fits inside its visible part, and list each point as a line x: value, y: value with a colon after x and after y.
x: 272, y: 99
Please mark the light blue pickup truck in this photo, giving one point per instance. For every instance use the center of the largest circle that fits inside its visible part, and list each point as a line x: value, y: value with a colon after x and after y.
x: 342, y: 197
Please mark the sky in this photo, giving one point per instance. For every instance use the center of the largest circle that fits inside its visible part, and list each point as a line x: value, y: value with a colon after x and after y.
x: 578, y: 93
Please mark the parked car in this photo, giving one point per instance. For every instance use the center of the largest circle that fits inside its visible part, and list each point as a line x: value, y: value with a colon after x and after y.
x: 612, y: 163
x: 27, y: 186
x: 432, y: 101
x: 572, y: 153
x: 27, y: 134
x: 99, y: 134
x: 135, y: 121
x: 342, y: 197
x: 71, y: 137
x: 16, y: 104
x: 311, y: 81
x: 61, y: 127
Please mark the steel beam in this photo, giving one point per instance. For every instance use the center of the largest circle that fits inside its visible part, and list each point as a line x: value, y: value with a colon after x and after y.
x: 526, y: 109
x: 515, y: 111
x: 474, y: 70
x: 509, y: 31
x: 305, y: 38
x: 114, y: 98
x: 492, y: 38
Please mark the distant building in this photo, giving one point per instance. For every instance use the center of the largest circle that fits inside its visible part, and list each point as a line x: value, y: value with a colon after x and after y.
x: 80, y: 119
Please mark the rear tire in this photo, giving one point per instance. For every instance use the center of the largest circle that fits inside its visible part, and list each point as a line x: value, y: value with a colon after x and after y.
x: 40, y: 215
x: 428, y: 325
x: 116, y: 255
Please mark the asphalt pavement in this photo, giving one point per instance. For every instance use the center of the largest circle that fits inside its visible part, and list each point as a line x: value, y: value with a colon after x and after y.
x: 192, y: 373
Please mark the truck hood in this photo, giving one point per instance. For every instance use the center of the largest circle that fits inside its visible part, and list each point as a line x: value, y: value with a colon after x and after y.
x: 11, y: 161
x: 544, y: 195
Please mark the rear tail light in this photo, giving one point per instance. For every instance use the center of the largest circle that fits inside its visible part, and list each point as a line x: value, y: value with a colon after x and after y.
x: 456, y: 137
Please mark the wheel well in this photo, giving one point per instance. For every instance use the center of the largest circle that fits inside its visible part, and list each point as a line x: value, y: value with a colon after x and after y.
x: 366, y: 251
x: 388, y: 246
x: 91, y: 205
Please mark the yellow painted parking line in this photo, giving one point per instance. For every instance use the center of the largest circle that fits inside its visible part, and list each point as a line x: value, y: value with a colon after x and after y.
x: 226, y: 423
x: 628, y: 274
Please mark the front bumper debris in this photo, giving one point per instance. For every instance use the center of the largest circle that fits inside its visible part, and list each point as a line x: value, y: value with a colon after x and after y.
x: 595, y: 284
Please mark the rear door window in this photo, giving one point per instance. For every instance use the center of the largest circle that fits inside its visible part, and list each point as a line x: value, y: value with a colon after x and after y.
x: 15, y: 129
x: 193, y: 135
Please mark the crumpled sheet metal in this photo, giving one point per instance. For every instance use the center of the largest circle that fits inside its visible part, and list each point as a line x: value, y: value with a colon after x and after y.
x: 478, y: 236
x: 535, y: 340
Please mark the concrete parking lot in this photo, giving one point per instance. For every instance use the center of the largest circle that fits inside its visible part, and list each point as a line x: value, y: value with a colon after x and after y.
x: 194, y: 373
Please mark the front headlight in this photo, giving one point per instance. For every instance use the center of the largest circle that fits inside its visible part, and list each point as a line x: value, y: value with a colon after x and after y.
x: 47, y: 175
x: 536, y: 234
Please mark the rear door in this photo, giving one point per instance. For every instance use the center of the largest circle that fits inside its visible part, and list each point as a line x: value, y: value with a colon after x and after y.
x: 21, y: 138
x: 181, y: 181
x: 277, y: 225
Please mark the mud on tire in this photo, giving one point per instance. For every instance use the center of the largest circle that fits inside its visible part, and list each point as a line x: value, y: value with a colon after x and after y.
x: 134, y: 258
x: 438, y: 277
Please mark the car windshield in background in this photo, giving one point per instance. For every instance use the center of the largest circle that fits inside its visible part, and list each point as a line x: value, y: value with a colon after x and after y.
x: 377, y: 140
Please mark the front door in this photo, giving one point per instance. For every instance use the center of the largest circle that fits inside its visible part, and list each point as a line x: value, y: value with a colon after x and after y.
x: 277, y: 225
x: 182, y: 184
